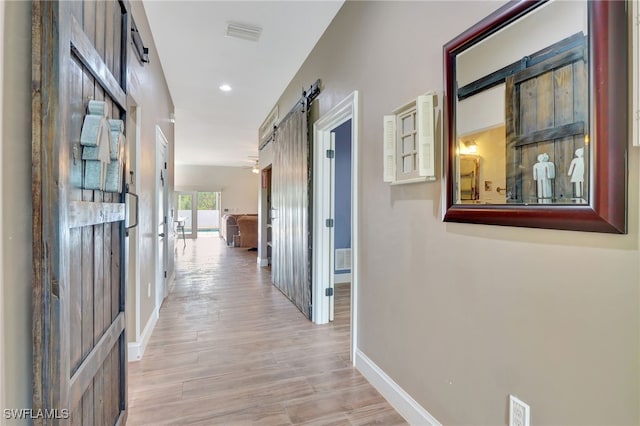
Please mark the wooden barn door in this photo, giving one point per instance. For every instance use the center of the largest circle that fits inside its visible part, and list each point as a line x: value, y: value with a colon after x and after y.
x: 79, y: 55
x: 547, y: 112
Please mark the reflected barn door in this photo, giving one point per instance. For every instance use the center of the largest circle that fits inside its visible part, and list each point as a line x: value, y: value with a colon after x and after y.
x: 79, y: 340
x: 547, y: 112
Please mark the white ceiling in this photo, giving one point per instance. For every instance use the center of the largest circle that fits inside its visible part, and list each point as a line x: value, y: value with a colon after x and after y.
x: 217, y: 128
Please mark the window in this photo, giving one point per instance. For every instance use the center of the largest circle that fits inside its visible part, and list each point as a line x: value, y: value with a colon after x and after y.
x: 409, y: 140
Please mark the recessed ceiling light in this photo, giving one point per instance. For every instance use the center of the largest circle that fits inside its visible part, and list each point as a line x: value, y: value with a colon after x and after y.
x: 225, y: 88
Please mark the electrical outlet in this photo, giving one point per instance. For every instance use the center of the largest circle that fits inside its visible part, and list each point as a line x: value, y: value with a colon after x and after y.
x: 519, y: 412
x: 148, y: 290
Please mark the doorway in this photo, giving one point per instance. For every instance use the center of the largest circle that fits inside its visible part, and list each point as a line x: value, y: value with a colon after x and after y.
x: 341, y: 121
x: 162, y: 207
x: 207, y: 208
x: 186, y: 201
x: 199, y: 212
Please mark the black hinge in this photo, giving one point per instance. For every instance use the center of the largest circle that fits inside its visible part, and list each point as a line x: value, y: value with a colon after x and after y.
x: 329, y: 223
x: 165, y: 274
x: 328, y: 292
x: 331, y: 153
x: 165, y: 165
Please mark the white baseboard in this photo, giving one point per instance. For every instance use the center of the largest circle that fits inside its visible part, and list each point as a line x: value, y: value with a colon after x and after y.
x: 136, y: 349
x: 263, y: 262
x: 404, y: 404
x: 342, y: 278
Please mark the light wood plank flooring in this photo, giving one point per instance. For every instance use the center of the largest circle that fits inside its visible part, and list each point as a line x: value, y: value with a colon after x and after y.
x: 230, y: 349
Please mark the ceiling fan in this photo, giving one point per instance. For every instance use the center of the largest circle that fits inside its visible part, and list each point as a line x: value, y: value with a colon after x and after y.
x: 255, y: 168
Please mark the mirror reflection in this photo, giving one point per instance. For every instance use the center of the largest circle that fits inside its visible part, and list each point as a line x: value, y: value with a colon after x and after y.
x: 522, y: 111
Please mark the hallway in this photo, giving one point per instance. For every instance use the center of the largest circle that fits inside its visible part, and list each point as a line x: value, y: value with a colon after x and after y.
x: 229, y: 348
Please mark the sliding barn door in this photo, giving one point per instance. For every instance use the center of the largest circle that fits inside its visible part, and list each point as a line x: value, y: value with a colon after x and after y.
x: 79, y: 322
x: 290, y: 219
x: 547, y: 113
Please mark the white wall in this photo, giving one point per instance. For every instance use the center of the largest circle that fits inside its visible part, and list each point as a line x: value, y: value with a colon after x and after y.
x: 462, y: 315
x: 238, y: 186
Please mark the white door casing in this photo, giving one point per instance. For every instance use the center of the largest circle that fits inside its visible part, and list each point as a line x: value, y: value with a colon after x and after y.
x: 345, y: 110
x: 162, y: 193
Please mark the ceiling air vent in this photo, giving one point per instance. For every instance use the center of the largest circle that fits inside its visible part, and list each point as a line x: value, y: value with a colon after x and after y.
x: 243, y: 31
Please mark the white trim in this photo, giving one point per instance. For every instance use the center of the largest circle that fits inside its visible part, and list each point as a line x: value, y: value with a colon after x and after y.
x: 413, y: 180
x: 347, y: 109
x: 133, y: 256
x: 342, y: 278
x: 263, y: 263
x: 399, y: 399
x: 136, y: 349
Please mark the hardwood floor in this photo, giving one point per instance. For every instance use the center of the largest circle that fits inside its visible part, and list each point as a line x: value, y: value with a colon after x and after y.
x: 230, y: 349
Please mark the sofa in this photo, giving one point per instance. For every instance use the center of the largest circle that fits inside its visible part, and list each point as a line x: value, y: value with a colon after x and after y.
x: 240, y: 230
x: 248, y: 231
x: 228, y: 228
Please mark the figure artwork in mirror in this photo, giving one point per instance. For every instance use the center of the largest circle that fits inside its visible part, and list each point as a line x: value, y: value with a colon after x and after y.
x: 533, y: 86
x: 544, y: 171
x: 576, y: 171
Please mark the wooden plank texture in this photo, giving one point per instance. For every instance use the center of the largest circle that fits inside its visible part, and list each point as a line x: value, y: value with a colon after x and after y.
x: 82, y: 213
x: 93, y: 363
x: 563, y: 59
x: 76, y: 233
x: 77, y: 110
x: 90, y: 57
x: 563, y: 131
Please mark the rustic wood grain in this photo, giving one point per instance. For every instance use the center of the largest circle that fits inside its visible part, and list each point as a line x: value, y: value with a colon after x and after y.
x: 118, y: 38
x: 88, y: 417
x: 512, y: 155
x: 92, y: 59
x: 70, y: 260
x: 83, y: 213
x: 564, y: 113
x: 77, y: 111
x: 528, y: 123
x: 99, y: 43
x: 568, y: 57
x: 109, y: 40
x: 89, y: 21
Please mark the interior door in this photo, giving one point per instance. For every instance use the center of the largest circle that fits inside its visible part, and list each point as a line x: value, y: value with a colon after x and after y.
x: 161, y: 218
x: 79, y: 335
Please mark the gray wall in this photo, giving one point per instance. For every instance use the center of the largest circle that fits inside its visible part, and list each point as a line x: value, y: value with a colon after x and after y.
x: 148, y: 87
x: 16, y: 205
x: 463, y: 315
x: 152, y: 96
